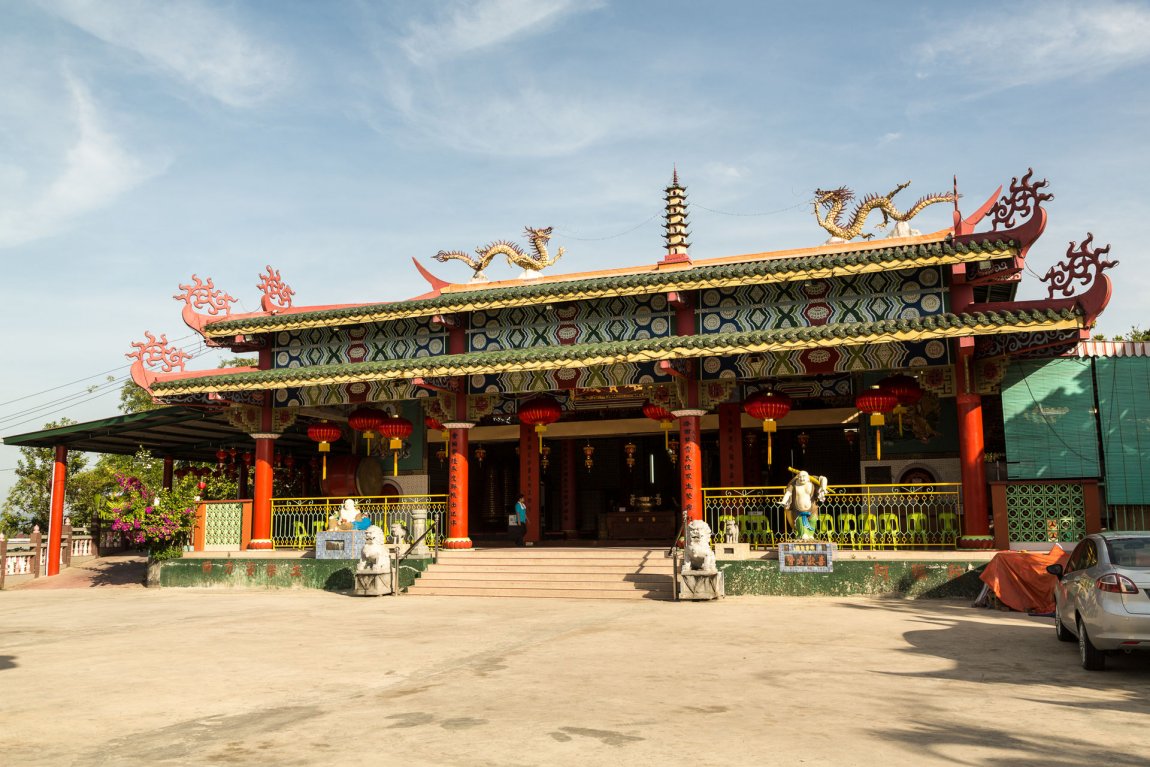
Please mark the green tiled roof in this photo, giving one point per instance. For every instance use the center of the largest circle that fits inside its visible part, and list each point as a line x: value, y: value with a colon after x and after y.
x: 673, y: 347
x: 706, y: 276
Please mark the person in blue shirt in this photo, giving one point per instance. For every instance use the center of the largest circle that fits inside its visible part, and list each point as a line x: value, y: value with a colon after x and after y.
x: 519, y: 531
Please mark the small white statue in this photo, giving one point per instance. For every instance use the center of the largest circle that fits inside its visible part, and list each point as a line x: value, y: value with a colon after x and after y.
x: 348, y: 511
x: 398, y: 532
x: 697, y: 554
x: 374, y: 557
x: 731, y: 531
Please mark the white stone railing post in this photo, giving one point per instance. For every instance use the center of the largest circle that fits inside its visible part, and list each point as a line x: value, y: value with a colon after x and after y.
x: 418, y: 527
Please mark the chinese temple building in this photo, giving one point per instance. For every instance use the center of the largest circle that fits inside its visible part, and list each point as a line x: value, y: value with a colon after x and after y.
x: 616, y: 401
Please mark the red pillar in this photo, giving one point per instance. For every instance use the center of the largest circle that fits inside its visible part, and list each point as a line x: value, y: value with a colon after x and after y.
x: 971, y: 454
x: 691, y: 461
x: 529, y: 479
x: 168, y: 473
x: 570, y: 491
x: 56, y: 514
x: 262, y: 497
x: 458, y: 486
x: 731, y: 444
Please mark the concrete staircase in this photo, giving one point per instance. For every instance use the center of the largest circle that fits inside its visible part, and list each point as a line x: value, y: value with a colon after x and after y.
x: 600, y: 573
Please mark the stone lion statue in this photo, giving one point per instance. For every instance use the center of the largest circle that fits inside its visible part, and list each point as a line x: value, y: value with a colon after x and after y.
x: 697, y: 554
x: 374, y: 557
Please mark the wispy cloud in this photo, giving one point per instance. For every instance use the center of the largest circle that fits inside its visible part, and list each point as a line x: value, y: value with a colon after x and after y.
x: 457, y: 82
x: 475, y: 26
x: 96, y: 169
x: 189, y: 40
x: 1039, y: 43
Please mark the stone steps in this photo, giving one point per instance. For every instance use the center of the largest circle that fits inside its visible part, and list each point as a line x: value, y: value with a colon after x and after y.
x: 565, y: 573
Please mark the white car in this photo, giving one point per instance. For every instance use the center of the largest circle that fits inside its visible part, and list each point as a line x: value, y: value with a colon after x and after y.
x: 1102, y: 596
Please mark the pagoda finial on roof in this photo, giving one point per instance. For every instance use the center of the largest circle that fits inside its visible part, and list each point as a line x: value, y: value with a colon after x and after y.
x: 676, y: 222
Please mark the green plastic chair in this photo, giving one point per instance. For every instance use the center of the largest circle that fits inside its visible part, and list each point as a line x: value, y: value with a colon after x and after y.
x: 848, y: 529
x: 869, y: 528
x: 825, y: 526
x: 948, y: 526
x: 916, y: 527
x: 889, y: 531
x: 756, y: 529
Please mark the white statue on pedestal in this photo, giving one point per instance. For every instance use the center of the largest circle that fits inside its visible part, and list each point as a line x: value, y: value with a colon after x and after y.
x: 801, y: 499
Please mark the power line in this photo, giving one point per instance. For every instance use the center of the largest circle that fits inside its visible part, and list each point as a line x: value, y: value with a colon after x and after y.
x: 749, y: 215
x: 63, y: 403
x: 80, y: 402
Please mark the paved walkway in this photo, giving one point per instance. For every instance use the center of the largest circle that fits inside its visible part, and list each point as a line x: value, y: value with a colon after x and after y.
x: 214, y: 677
x: 116, y: 571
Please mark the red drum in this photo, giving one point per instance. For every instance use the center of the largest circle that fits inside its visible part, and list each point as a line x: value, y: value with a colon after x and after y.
x: 352, y: 475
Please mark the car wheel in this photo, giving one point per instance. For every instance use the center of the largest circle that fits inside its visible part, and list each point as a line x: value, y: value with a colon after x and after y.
x: 1060, y: 630
x: 1093, y: 659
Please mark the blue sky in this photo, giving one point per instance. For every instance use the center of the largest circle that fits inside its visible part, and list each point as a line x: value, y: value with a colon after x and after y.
x: 142, y: 141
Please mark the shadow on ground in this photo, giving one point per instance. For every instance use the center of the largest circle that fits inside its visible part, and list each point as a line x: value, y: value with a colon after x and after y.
x: 123, y: 572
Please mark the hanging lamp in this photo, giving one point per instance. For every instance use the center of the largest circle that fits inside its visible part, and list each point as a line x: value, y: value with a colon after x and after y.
x: 366, y: 420
x: 877, y: 401
x: 396, y: 429
x: 540, y: 412
x: 324, y: 433
x: 665, y: 418
x: 769, y: 407
x: 908, y: 392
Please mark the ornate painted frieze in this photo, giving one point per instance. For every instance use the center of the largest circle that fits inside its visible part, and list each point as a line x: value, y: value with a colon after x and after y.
x: 828, y: 360
x: 1022, y: 345
x: 348, y: 394
x: 629, y: 318
x: 396, y: 339
x: 591, y: 377
x: 901, y: 294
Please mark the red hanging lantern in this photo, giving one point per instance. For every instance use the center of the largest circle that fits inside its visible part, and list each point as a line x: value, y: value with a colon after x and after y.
x: 665, y: 418
x: 324, y: 433
x: 433, y: 424
x: 396, y: 429
x: 540, y: 412
x: 876, y: 401
x: 908, y: 392
x: 221, y: 456
x: 366, y: 420
x: 768, y: 407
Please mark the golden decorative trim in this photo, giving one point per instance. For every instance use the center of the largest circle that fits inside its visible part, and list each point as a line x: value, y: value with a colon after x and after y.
x: 478, y: 303
x: 428, y: 367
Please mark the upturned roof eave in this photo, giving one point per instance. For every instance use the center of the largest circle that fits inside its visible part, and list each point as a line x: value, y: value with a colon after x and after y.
x: 670, y: 348
x: 902, y: 253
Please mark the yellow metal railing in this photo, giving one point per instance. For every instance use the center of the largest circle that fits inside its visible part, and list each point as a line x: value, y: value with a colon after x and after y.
x: 295, y: 521
x: 852, y: 516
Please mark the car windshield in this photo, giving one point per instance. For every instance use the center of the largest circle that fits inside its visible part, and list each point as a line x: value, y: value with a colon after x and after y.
x: 1129, y: 552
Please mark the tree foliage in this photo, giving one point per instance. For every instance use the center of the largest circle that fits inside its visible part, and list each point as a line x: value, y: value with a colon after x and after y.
x: 1136, y: 333
x: 30, y: 497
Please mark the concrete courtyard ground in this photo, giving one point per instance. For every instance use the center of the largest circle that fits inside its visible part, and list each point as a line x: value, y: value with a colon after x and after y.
x: 126, y: 675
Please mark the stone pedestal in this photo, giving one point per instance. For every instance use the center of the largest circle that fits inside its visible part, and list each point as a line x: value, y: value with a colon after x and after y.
x: 701, y: 585
x: 339, y: 544
x: 732, y: 550
x: 373, y: 584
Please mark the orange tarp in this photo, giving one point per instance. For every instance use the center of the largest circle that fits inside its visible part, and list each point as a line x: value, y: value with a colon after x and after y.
x: 1020, y: 581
